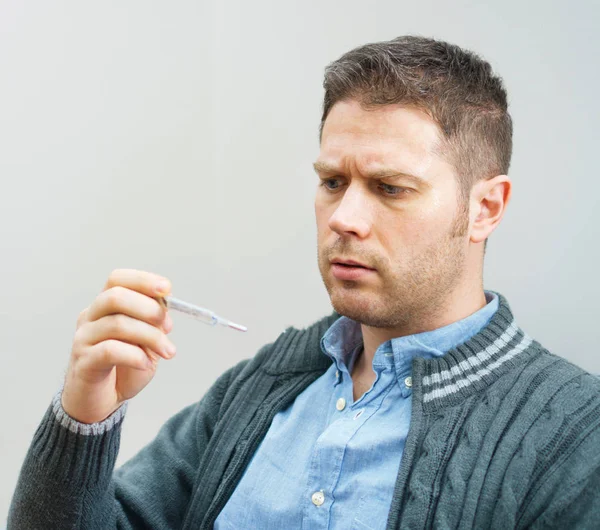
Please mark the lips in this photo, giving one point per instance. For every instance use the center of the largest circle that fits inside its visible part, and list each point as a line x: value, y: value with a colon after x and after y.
x: 350, y: 263
x: 352, y: 272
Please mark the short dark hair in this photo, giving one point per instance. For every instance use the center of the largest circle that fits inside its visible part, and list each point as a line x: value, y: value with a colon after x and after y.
x: 454, y: 86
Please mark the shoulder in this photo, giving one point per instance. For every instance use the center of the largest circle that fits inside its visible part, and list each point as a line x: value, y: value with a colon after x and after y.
x: 562, y: 390
x: 540, y: 386
x: 568, y: 377
x: 566, y: 426
x: 548, y: 410
x: 575, y: 400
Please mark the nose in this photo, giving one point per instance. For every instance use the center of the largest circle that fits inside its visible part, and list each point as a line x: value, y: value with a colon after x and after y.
x: 352, y: 215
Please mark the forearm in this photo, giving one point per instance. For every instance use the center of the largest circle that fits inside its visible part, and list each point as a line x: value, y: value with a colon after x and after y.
x: 68, y: 478
x: 66, y: 463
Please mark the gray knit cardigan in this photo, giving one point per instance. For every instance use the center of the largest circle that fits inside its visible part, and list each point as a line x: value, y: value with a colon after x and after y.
x: 503, y: 434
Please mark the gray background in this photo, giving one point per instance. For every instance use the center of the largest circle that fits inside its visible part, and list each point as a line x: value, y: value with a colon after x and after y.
x: 178, y: 137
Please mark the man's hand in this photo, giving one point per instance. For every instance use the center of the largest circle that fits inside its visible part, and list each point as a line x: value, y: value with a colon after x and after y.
x: 118, y: 342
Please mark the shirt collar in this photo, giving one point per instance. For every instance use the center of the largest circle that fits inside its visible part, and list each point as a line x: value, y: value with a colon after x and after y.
x: 343, y: 341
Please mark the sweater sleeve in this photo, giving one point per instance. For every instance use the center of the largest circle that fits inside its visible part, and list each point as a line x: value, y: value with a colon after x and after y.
x: 68, y: 480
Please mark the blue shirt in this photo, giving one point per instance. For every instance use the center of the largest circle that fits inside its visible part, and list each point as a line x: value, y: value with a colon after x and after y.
x: 328, y: 462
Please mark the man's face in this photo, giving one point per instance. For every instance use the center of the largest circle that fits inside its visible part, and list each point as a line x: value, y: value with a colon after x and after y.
x: 388, y: 200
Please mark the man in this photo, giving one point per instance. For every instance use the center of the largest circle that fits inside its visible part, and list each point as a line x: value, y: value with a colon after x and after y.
x: 418, y: 403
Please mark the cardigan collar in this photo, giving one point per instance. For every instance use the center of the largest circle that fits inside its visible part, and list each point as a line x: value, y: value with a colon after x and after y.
x: 469, y: 367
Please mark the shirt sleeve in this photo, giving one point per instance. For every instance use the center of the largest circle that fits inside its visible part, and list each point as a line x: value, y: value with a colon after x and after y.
x: 68, y: 479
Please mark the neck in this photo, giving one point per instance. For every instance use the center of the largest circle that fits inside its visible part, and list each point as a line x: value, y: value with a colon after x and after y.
x: 459, y: 305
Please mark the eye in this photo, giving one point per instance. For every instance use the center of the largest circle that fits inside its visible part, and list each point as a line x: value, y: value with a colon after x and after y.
x: 393, y: 191
x: 333, y: 184
x: 325, y: 184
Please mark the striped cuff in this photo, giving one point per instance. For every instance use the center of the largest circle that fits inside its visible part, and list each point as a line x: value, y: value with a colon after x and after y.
x: 86, y: 429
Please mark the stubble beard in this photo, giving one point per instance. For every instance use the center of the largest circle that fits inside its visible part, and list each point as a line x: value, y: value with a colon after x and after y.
x: 408, y: 293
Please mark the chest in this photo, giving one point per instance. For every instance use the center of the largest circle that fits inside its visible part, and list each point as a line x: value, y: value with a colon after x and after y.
x: 328, y: 461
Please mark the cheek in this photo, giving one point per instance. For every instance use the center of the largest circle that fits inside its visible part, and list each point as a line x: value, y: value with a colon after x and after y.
x: 402, y: 235
x: 434, y: 217
x: 411, y: 232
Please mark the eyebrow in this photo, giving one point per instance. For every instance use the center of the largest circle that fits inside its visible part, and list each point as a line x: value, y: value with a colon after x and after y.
x: 324, y: 167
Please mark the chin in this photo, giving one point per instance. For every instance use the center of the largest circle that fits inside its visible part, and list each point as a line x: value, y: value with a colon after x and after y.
x: 367, y: 308
x: 352, y: 303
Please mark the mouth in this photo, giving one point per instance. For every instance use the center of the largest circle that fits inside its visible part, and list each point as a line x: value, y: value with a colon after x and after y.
x: 350, y: 264
x: 350, y: 270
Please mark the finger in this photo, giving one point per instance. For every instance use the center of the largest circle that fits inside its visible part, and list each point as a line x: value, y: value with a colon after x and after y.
x: 167, y: 324
x: 109, y: 353
x: 120, y: 299
x: 143, y: 282
x: 82, y: 317
x: 124, y: 328
x: 153, y: 357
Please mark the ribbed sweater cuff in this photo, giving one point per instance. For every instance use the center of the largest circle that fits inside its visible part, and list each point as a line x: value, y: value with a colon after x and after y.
x: 82, y: 454
x: 87, y: 429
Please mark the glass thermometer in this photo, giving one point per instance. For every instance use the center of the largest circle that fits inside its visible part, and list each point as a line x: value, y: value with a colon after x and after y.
x: 199, y: 313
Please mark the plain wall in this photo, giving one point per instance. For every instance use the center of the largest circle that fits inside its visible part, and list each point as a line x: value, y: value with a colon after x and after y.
x: 178, y: 137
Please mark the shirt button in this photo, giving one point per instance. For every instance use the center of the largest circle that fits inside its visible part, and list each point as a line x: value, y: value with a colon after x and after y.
x: 340, y: 404
x: 408, y: 381
x: 318, y: 498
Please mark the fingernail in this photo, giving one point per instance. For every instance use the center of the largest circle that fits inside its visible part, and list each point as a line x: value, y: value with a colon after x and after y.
x: 170, y: 349
x: 162, y: 287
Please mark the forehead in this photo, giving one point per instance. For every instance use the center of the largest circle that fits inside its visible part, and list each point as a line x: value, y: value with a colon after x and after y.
x: 391, y: 135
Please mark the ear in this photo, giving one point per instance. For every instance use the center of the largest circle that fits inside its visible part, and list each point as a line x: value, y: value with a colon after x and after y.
x: 489, y: 199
